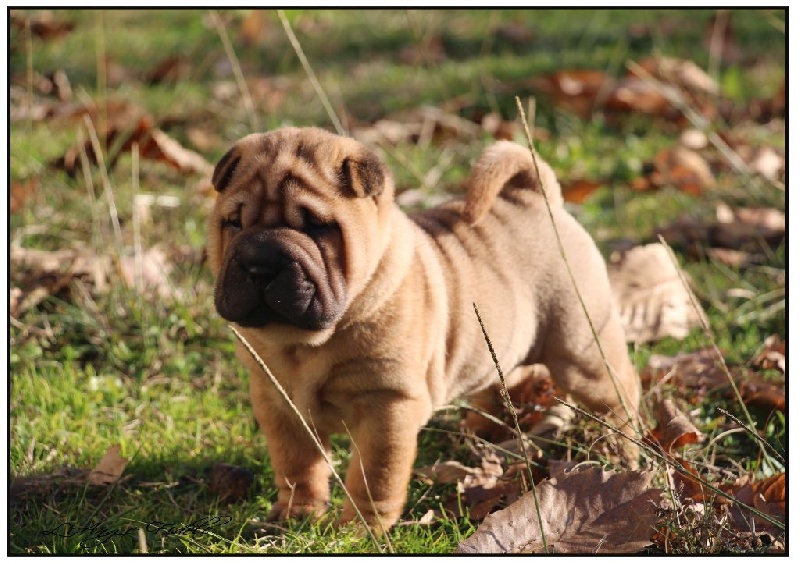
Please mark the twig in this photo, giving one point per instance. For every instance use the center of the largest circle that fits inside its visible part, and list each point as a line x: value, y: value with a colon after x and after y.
x: 237, y: 71
x: 754, y: 435
x: 298, y: 49
x: 137, y: 234
x: 311, y: 433
x: 109, y: 193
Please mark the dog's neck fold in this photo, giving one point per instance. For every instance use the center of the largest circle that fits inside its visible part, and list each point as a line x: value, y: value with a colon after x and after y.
x: 386, y: 277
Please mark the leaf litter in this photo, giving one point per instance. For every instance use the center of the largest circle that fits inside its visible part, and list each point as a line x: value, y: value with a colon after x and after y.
x: 584, y: 511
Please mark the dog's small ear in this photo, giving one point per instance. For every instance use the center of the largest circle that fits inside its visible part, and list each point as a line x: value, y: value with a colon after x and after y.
x: 225, y: 169
x: 363, y: 175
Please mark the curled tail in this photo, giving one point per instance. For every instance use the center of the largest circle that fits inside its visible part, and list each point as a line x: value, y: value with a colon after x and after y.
x: 502, y: 164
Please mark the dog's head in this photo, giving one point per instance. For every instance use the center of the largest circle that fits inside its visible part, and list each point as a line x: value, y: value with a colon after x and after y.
x: 298, y: 226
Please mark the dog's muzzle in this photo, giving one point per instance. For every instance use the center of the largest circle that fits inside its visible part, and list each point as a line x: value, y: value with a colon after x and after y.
x: 276, y: 276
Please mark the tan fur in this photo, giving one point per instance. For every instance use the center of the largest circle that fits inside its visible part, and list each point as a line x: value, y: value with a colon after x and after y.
x: 404, y: 339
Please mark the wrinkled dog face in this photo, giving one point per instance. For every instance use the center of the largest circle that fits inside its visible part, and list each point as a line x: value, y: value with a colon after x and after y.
x: 286, y: 237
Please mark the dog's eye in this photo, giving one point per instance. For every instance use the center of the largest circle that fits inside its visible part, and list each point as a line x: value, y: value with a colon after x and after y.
x: 315, y: 223
x: 233, y: 221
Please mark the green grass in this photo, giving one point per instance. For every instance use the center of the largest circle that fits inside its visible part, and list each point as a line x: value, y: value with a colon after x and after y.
x: 159, y: 377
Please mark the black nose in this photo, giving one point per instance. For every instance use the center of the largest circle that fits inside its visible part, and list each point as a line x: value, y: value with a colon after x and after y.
x: 261, y: 271
x: 261, y: 265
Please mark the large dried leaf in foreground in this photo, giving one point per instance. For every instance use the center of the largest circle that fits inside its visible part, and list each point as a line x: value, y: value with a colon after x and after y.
x: 588, y: 511
x: 652, y: 299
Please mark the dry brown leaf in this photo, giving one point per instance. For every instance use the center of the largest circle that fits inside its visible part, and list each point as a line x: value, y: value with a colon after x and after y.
x: 700, y: 372
x: 169, y: 71
x: 767, y: 496
x: 44, y: 25
x: 651, y: 298
x: 499, y: 128
x: 153, y: 144
x: 772, y: 354
x: 678, y: 167
x: 587, y: 511
x: 22, y: 192
x: 576, y: 191
x: 452, y: 472
x: 769, y: 220
x: 255, y: 24
x: 732, y: 257
x: 674, y: 429
x: 574, y: 90
x: 738, y: 234
x: 110, y: 467
x: 149, y: 273
x: 768, y: 163
x: 39, y: 274
x: 228, y: 482
x: 156, y: 145
x: 689, y: 486
x: 429, y: 51
x: 428, y: 518
x: 681, y: 73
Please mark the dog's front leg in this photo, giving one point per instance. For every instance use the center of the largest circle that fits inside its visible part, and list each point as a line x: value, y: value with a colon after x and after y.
x: 384, y: 445
x: 301, y: 472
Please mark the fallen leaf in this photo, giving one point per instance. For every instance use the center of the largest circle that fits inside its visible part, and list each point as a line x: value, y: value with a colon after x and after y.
x: 688, y: 485
x: 426, y: 52
x: 162, y: 147
x: 228, y: 482
x: 153, y: 144
x: 674, y: 429
x: 110, y: 467
x: 695, y: 237
x: 694, y: 139
x: 767, y: 496
x: 253, y: 27
x: 587, y: 511
x: 428, y: 518
x: 452, y: 472
x: 39, y: 274
x: 677, y: 167
x: 22, y: 192
x: 680, y: 73
x: 768, y: 163
x: 575, y: 90
x: 733, y: 257
x: 149, y: 273
x: 532, y: 398
x: 576, y: 191
x: 44, y: 25
x: 651, y: 298
x: 169, y: 71
x: 772, y: 354
x: 769, y: 221
x: 499, y: 128
x: 515, y: 32
x: 423, y: 125
x: 700, y: 372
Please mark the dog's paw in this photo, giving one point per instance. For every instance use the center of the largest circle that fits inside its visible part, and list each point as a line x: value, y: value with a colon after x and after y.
x: 283, y: 511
